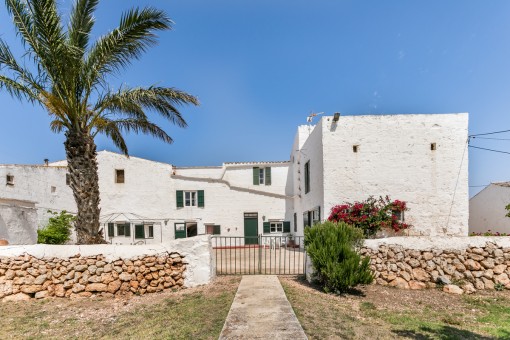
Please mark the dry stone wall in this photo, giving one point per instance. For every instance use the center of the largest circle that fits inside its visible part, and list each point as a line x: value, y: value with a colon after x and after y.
x: 24, y: 277
x: 39, y: 271
x: 458, y: 264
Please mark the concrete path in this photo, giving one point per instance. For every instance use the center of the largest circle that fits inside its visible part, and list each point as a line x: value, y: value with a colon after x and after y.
x: 261, y: 311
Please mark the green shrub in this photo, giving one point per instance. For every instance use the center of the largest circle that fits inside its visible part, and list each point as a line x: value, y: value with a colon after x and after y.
x: 58, y: 229
x: 333, y: 247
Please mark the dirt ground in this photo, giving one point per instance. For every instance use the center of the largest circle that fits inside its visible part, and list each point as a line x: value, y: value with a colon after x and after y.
x: 172, y: 314
x: 377, y: 312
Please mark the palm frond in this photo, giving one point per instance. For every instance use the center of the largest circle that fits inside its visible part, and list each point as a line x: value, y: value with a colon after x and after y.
x: 81, y: 23
x: 120, y: 47
x: 134, y: 101
x: 20, y: 73
x: 18, y: 90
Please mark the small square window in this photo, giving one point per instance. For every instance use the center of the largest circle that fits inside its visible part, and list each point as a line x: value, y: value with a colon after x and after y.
x: 355, y: 148
x: 10, y: 179
x: 433, y: 146
x: 119, y: 176
x: 53, y: 189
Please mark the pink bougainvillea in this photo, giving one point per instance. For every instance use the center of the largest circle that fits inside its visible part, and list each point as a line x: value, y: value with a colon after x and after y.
x: 372, y: 214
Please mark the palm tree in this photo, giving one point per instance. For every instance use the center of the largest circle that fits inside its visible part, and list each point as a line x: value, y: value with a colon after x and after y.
x: 68, y: 77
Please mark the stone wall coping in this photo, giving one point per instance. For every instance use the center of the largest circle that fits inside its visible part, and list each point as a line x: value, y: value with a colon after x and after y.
x: 438, y: 242
x: 111, y: 252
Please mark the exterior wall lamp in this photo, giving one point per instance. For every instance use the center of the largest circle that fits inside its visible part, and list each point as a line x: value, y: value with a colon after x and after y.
x: 336, y: 117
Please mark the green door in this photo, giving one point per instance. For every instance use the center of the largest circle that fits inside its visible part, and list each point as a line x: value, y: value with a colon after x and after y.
x: 180, y: 230
x: 251, y: 228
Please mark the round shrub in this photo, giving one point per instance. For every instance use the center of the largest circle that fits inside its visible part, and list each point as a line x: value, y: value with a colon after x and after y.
x: 333, y: 249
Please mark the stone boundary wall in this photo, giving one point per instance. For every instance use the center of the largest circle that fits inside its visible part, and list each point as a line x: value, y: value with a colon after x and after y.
x: 39, y: 271
x: 459, y: 264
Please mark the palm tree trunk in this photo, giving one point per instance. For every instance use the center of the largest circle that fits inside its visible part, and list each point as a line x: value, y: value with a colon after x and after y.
x: 82, y: 164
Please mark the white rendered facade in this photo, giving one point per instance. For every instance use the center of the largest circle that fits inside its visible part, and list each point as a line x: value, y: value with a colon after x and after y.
x: 393, y: 157
x: 421, y: 159
x: 487, y: 209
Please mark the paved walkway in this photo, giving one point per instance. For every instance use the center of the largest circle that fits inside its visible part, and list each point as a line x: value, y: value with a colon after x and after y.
x: 261, y: 311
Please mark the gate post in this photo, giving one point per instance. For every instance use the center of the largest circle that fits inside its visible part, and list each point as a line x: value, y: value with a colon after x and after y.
x: 260, y: 254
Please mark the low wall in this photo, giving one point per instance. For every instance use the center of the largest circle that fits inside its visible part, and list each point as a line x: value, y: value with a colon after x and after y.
x: 461, y: 264
x: 71, y: 270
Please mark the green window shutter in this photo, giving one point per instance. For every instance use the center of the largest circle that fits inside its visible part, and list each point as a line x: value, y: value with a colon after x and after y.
x: 267, y: 228
x: 179, y: 195
x: 268, y: 176
x: 111, y: 231
x: 286, y: 226
x: 120, y: 230
x: 200, y: 198
x: 217, y: 230
x: 127, y: 229
x: 255, y: 176
x: 139, y: 231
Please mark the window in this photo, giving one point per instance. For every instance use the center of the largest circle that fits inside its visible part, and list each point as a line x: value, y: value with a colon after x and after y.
x: 53, y: 189
x: 276, y: 227
x: 433, y: 146
x: 355, y: 148
x: 295, y: 222
x: 124, y: 229
x: 151, y: 231
x: 212, y: 229
x: 119, y: 176
x: 190, y: 198
x: 262, y: 176
x: 399, y: 215
x: 10, y: 179
x: 68, y: 179
x: 307, y: 177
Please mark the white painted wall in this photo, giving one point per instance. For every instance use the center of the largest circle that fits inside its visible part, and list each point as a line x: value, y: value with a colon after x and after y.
x: 395, y: 159
x: 487, y: 209
x: 18, y: 221
x: 229, y: 196
x: 34, y: 183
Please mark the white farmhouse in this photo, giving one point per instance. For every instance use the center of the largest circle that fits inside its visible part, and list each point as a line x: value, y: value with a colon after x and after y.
x: 421, y: 159
x: 487, y: 209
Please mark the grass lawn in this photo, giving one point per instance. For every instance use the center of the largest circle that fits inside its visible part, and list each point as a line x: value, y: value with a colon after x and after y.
x: 377, y: 312
x: 195, y: 313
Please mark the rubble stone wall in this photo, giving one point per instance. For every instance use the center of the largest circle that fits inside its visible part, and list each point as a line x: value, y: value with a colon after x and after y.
x: 459, y: 264
x: 40, y: 271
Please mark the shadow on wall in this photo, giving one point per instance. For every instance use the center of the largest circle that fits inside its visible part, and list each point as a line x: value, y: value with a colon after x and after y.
x: 4, y: 232
x: 18, y: 224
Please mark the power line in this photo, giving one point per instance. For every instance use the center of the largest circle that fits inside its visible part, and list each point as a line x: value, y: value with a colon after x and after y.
x: 478, y: 186
x: 490, y: 138
x: 489, y: 133
x: 499, y: 151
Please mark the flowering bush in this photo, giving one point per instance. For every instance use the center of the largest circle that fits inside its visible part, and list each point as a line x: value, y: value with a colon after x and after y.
x: 372, y: 214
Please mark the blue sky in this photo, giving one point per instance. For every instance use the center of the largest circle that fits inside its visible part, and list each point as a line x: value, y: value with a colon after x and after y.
x: 260, y: 67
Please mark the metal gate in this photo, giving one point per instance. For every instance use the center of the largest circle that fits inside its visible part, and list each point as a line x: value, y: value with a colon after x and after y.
x: 259, y: 255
